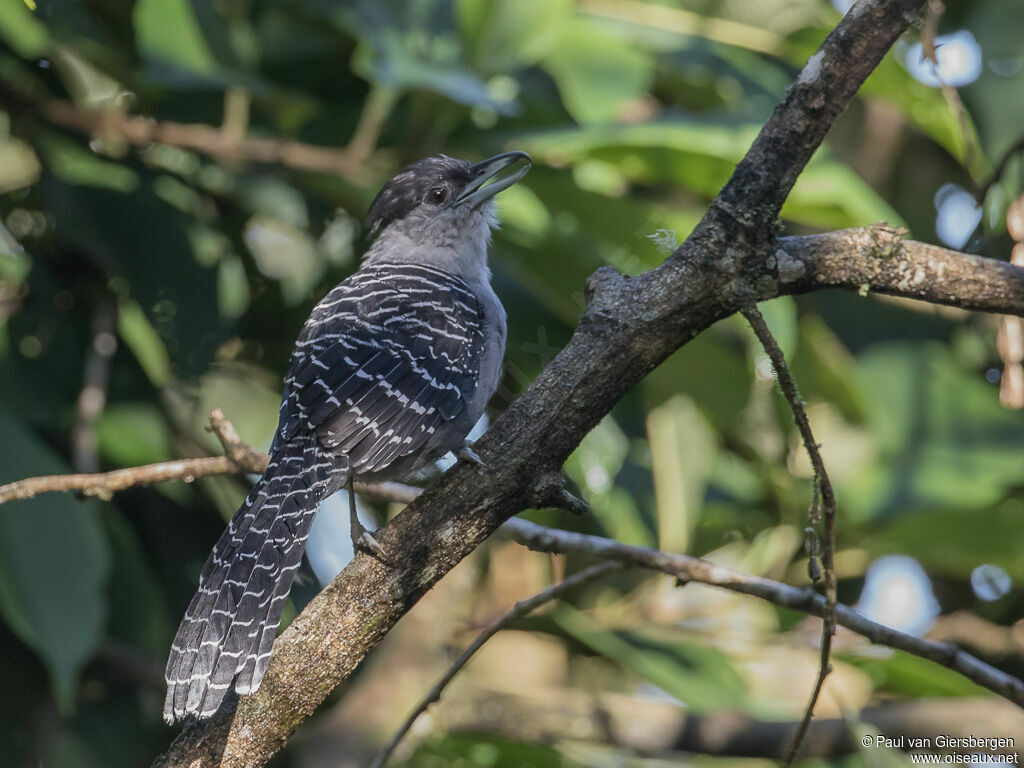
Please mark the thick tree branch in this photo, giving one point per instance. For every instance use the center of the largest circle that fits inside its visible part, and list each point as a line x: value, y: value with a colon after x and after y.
x: 630, y: 326
x: 878, y: 259
x: 693, y: 569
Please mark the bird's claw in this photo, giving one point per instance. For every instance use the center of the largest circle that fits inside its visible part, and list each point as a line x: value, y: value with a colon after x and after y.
x: 363, y: 540
x: 467, y: 454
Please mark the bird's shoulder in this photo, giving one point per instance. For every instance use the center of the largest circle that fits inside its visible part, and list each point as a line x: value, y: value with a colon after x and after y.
x: 391, y: 298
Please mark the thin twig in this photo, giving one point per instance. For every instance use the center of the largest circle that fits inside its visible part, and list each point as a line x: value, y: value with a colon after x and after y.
x: 520, y: 609
x: 142, y: 131
x: 543, y: 539
x: 822, y: 490
x: 239, y: 458
x: 376, y: 109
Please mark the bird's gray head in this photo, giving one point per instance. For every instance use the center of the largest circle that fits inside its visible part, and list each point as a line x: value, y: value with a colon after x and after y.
x: 443, y: 201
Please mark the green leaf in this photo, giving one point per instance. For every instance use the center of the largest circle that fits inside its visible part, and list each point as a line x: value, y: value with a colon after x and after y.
x: 700, y: 154
x: 824, y: 368
x: 698, y: 676
x: 903, y: 673
x: 74, y: 164
x: 683, y: 447
x: 994, y: 98
x: 145, y: 343
x: 405, y: 48
x: 946, y: 441
x: 23, y: 31
x: 594, y: 465
x: 596, y: 72
x: 167, y: 30
x: 20, y: 169
x: 712, y: 369
x: 232, y: 287
x: 139, y: 613
x: 954, y: 541
x: 506, y: 35
x: 250, y: 398
x: 54, y: 563
x: 131, y: 434
x: 285, y: 254
x: 781, y: 318
x: 829, y: 195
x: 927, y: 108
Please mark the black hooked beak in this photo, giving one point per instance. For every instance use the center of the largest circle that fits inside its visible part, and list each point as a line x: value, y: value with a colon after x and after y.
x: 489, y: 170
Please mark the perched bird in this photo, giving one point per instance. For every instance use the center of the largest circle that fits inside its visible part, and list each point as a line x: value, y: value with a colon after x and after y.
x: 390, y: 372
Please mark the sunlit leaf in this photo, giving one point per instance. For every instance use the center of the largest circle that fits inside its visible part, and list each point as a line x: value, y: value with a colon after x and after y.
x: 77, y: 165
x: 21, y: 30
x: 955, y: 541
x: 825, y: 368
x: 594, y: 465
x: 168, y: 30
x: 829, y: 195
x: 597, y: 73
x: 130, y: 434
x: 509, y: 34
x: 144, y: 342
x: 249, y: 398
x: 902, y: 673
x: 701, y: 154
x: 683, y: 447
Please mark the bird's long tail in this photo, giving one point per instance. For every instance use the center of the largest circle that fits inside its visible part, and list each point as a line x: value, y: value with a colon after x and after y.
x: 230, y: 624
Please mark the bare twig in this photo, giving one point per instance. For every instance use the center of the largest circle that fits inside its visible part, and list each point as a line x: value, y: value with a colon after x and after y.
x: 241, y: 455
x: 235, y: 123
x: 823, y: 491
x: 239, y: 458
x: 520, y: 609
x: 379, y: 103
x: 140, y: 131
x: 543, y: 539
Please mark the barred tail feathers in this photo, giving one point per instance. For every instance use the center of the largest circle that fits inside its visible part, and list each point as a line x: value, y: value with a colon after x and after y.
x: 231, y: 622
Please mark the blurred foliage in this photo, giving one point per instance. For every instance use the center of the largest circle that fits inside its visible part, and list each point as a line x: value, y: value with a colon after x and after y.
x: 635, y: 113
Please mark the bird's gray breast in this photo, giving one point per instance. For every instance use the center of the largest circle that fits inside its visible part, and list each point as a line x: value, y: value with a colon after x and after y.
x: 494, y: 331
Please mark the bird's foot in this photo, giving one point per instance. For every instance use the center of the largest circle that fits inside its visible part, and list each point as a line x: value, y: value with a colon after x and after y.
x: 362, y: 540
x: 467, y: 454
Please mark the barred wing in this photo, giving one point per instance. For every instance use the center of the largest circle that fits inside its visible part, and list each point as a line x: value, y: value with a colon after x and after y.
x: 387, y: 357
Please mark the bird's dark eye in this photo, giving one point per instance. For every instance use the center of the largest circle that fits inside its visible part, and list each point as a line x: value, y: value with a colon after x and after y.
x: 437, y: 195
